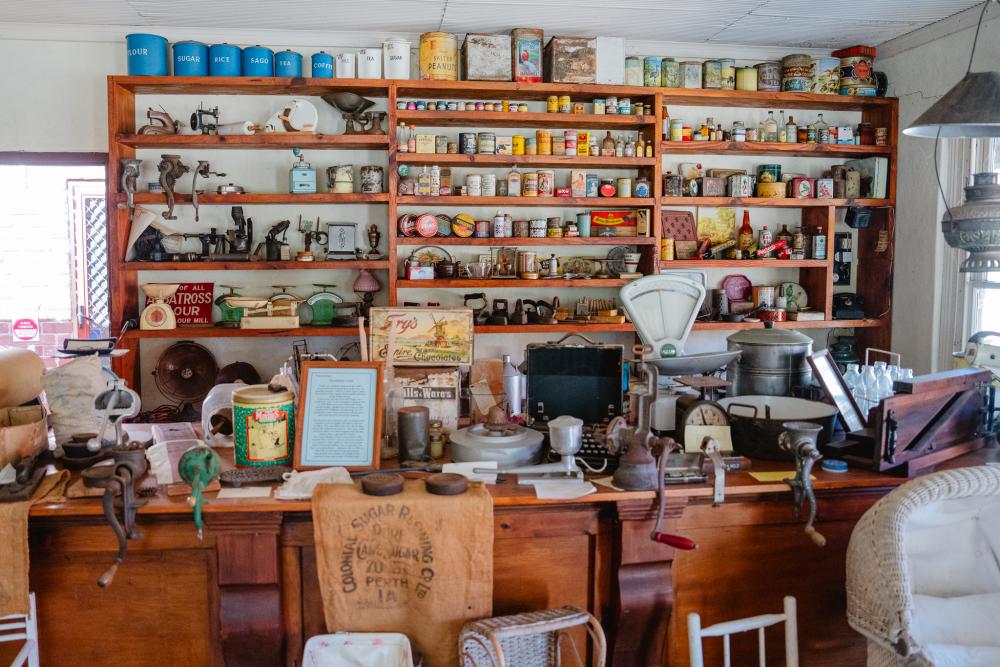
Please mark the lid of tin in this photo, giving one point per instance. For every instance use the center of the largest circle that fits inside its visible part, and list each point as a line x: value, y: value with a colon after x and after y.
x: 382, y: 484
x: 769, y: 336
x: 288, y: 51
x: 427, y: 225
x: 189, y: 41
x: 260, y: 394
x: 834, y: 465
x: 446, y: 484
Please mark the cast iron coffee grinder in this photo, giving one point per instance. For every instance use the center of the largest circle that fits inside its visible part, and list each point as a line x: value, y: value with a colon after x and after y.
x: 799, y: 439
x: 199, y: 467
x: 130, y: 174
x: 171, y: 168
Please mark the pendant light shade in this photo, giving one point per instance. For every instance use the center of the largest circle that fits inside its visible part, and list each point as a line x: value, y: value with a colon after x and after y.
x: 970, y: 109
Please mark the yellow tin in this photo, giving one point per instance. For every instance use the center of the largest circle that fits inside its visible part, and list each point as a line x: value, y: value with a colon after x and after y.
x: 582, y: 143
x: 517, y: 144
x: 552, y: 104
x: 544, y: 140
x: 439, y: 56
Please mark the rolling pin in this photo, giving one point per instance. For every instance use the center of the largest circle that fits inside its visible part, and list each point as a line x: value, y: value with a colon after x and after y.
x: 20, y: 376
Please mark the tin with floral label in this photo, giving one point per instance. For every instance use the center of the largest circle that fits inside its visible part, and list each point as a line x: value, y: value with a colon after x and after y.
x: 263, y: 426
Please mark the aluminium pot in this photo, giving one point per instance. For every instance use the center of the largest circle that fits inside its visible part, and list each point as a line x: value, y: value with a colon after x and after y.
x: 756, y: 422
x: 772, y: 361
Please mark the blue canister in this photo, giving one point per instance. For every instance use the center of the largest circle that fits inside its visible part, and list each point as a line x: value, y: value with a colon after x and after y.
x: 288, y: 64
x: 322, y: 66
x: 258, y: 61
x: 190, y: 59
x: 223, y: 60
x: 147, y: 54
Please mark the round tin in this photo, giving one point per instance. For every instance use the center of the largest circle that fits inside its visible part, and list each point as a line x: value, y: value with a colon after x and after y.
x: 486, y: 143
x: 552, y: 103
x: 746, y: 78
x: 517, y: 144
x: 474, y: 185
x: 651, y: 72
x: 546, y: 182
x: 438, y: 56
x: 263, y: 426
x: 521, y: 228
x: 427, y: 225
x: 467, y: 143
x: 670, y: 73
x: 769, y: 76
x: 796, y: 73
x: 529, y: 184
x: 443, y: 224
x: 224, y: 60
x: 288, y: 64
x: 396, y: 58
x: 482, y: 229
x: 322, y: 68
x: 440, y: 143
x: 856, y: 71
x: 190, y: 59
x: 407, y: 224
x: 824, y: 75
x: 565, y: 104
x: 728, y: 76
x: 690, y: 74
x: 537, y: 228
x: 258, y: 61
x: 634, y: 71
x: 624, y: 187
x: 147, y: 54
x: 344, y: 66
x: 711, y: 74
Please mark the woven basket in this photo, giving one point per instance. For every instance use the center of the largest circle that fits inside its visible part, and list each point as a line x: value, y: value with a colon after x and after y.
x: 526, y: 640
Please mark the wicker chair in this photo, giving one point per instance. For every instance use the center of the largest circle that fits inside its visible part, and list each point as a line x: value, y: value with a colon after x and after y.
x: 923, y: 578
x: 527, y: 640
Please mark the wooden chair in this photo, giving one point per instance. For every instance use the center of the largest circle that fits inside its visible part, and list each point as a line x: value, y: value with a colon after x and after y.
x: 20, y: 627
x: 758, y: 623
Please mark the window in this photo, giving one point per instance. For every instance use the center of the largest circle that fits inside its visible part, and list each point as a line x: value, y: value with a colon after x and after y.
x: 982, y: 293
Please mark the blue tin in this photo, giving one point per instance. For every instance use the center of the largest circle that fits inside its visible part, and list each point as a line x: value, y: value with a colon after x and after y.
x: 224, y: 60
x: 147, y: 54
x: 190, y: 59
x: 258, y: 61
x: 322, y: 65
x: 593, y: 185
x: 288, y: 64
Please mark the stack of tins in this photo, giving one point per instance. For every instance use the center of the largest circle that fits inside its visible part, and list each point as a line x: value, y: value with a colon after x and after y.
x: 438, y: 56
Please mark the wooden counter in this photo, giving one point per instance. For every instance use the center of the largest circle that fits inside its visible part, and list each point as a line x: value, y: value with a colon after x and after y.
x: 248, y: 594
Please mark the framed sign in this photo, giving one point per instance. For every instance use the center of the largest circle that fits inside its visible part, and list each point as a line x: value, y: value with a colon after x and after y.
x: 826, y: 372
x: 423, y: 336
x: 192, y: 304
x: 339, y: 416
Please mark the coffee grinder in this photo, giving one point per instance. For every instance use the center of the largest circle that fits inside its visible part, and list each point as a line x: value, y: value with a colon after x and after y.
x: 565, y: 439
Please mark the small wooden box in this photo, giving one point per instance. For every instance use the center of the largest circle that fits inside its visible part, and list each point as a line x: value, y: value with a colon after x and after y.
x: 710, y: 186
x: 486, y: 57
x: 571, y: 60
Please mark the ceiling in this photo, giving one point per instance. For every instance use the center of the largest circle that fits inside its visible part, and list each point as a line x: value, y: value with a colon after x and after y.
x: 791, y: 23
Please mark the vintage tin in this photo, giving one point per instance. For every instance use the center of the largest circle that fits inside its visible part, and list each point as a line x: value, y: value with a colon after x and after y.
x: 190, y: 59
x: 552, y: 104
x: 289, y: 64
x: 670, y: 73
x: 818, y: 249
x: 796, y: 73
x: 530, y: 146
x: 258, y: 61
x: 486, y: 57
x: 824, y: 75
x: 489, y: 185
x: 746, y: 78
x: 763, y: 295
x: 667, y: 249
x: 440, y: 144
x: 482, y: 229
x: 517, y: 144
x: 263, y: 426
x: 673, y: 185
x: 741, y: 185
x: 803, y: 188
x: 344, y: 66
x: 881, y: 136
x: 486, y: 143
x: 583, y: 143
x: 633, y: 71
x: 554, y: 230
x: 857, y: 76
x: 224, y: 60
x: 474, y: 185
x: 529, y: 184
x: 322, y: 66
x: 371, y: 178
x: 710, y: 186
x: 772, y: 190
x: 676, y: 129
x: 546, y: 183
x: 571, y: 60
x: 521, y: 229
x: 147, y: 55
x: 513, y: 183
x: 711, y: 74
x: 769, y: 76
x: 624, y: 185
x: 728, y: 76
x: 824, y: 188
x: 607, y: 188
x: 558, y: 145
x: 543, y: 139
x: 690, y: 74
x: 467, y: 143
x: 569, y: 139
x: 651, y: 72
x: 396, y: 58
x: 370, y: 63
x: 537, y: 228
x: 498, y: 228
x: 526, y: 54
x: 407, y: 224
x: 593, y: 185
x: 565, y: 104
x: 768, y: 173
x: 438, y: 56
x: 642, y: 188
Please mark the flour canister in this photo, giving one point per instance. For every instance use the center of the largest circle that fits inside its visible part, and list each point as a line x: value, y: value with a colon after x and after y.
x: 288, y: 64
x: 258, y: 61
x: 370, y: 64
x: 264, y: 426
x: 322, y: 65
x: 439, y: 56
x: 769, y: 76
x: 396, y: 58
x: 190, y: 59
x: 224, y: 60
x: 343, y: 66
x: 824, y: 74
x: 147, y: 54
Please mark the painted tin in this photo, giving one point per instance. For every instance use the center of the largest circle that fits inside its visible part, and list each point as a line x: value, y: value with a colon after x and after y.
x: 370, y: 63
x: 467, y: 143
x: 746, y: 78
x: 565, y: 104
x: 489, y: 185
x: 728, y: 76
x: 146, y: 54
x: 526, y: 51
x: 769, y: 173
x: 651, y: 71
x: 670, y: 73
x: 322, y: 65
x: 258, y: 61
x: 486, y: 143
x: 546, y: 183
x: 856, y: 71
x: 543, y: 141
x: 633, y: 71
x: 344, y: 67
x: 537, y: 228
x: 796, y: 73
x: 593, y: 185
x: 190, y: 59
x: 224, y: 60
x: 288, y: 64
x: 263, y: 426
x: 529, y: 184
x: 486, y: 57
x: 769, y: 76
x: 438, y: 56
x: 499, y: 228
x: 482, y: 229
x: 517, y: 144
x: 711, y: 74
x: 396, y: 58
x: 824, y: 75
x: 690, y: 74
x: 741, y: 185
x: 624, y: 187
x: 474, y: 185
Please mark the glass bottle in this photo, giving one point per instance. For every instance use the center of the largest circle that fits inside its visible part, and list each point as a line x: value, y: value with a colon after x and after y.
x: 822, y: 131
x: 852, y: 378
x: 786, y: 236
x: 798, y: 244
x: 619, y: 147
x: 608, y: 145
x: 594, y: 149
x: 884, y: 381
x: 401, y: 138
x: 649, y: 149
x: 761, y: 130
x: 629, y: 150
x: 640, y: 148
x: 411, y: 140
x: 782, y: 128
x: 869, y: 383
x: 745, y: 236
x: 424, y: 182
x: 770, y: 128
x: 791, y: 130
x: 764, y: 239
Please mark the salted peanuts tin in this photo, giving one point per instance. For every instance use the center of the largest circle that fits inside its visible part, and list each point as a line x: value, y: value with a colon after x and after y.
x: 264, y: 426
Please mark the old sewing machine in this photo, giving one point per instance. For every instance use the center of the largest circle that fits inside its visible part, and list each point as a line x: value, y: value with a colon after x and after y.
x: 160, y: 122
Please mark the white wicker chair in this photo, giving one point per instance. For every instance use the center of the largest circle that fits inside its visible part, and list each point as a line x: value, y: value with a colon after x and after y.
x: 923, y: 565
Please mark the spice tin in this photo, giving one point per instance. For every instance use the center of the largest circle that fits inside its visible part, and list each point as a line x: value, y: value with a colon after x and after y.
x: 529, y: 184
x: 634, y: 71
x: 741, y: 185
x: 147, y: 55
x: 438, y: 56
x: 711, y: 74
x: 224, y: 60
x: 486, y: 143
x: 258, y: 61
x: 190, y: 59
x: 803, y: 188
x: 651, y: 72
x: 690, y: 74
x: 537, y: 228
x: 824, y: 75
x: 544, y: 142
x: 624, y: 187
x: 289, y: 64
x: 728, y: 76
x: 396, y: 58
x: 482, y: 229
x: 593, y: 185
x: 796, y: 73
x: 565, y: 104
x: 769, y: 76
x: 344, y: 67
x: 474, y: 185
x: 546, y: 183
x: 322, y: 68
x: 526, y: 50
x: 746, y: 78
x: 467, y: 143
x: 263, y: 426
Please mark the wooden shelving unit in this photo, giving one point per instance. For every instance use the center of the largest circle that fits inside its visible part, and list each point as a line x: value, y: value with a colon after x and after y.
x: 874, y: 267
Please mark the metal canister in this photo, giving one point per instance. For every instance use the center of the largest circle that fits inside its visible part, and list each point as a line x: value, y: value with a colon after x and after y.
x: 558, y: 145
x: 344, y: 66
x: 691, y: 74
x: 481, y: 229
x: 499, y: 229
x: 552, y: 104
x: 651, y: 72
x: 857, y: 76
x: 773, y: 361
x: 489, y: 185
x: 537, y: 228
x: 529, y: 184
x: 667, y: 249
x: 190, y: 59
x: 521, y: 229
x: 288, y: 64
x: 746, y: 78
x: 544, y: 142
x: 676, y: 129
x: 440, y: 143
x: 728, y: 77
x: 569, y: 137
x: 517, y: 144
x: 824, y: 75
x: 670, y: 73
x: 611, y: 105
x: 224, y: 60
x: 438, y: 56
x: 711, y: 74
x: 474, y: 185
x: 258, y: 61
x: 322, y: 65
x: 147, y: 55
x: 593, y: 185
x: 633, y: 71
x: 599, y: 106
x: 530, y: 146
x: 624, y: 186
x: 486, y: 143
x: 467, y: 143
x: 370, y: 63
x: 741, y: 185
x: 263, y: 426
x: 624, y: 106
x: 565, y: 104
x: 769, y: 76
x: 796, y: 73
x: 371, y: 178
x: 396, y: 58
x: 546, y: 182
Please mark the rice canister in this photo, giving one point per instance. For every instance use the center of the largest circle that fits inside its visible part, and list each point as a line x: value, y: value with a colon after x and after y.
x: 343, y: 66
x: 796, y: 73
x: 651, y: 71
x: 370, y: 64
x: 322, y: 65
x: 769, y: 76
x: 190, y: 59
x: 288, y: 64
x: 224, y: 60
x: 711, y: 74
x: 396, y: 58
x: 670, y: 73
x: 824, y: 75
x: 147, y: 54
x: 258, y: 61
x: 263, y: 426
x: 438, y: 56
x: 633, y: 71
x: 691, y: 74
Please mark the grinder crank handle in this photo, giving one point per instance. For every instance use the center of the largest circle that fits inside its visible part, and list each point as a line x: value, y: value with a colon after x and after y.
x: 108, y: 502
x: 810, y: 455
x: 713, y: 450
x: 676, y: 541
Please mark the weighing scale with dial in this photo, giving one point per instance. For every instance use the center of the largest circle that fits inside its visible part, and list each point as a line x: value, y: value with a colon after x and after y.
x: 320, y: 309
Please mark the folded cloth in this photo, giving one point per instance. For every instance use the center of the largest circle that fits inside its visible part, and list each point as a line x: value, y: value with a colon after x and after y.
x: 14, y: 542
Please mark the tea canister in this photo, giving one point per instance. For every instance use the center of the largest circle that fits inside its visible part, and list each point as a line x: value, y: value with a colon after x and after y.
x: 190, y: 59
x: 258, y: 61
x: 263, y: 426
x: 711, y: 74
x: 670, y: 73
x: 690, y: 74
x: 370, y: 64
x: 634, y: 70
x: 322, y: 67
x: 651, y: 71
x: 396, y: 58
x: 288, y: 64
x: 769, y: 76
x: 344, y: 66
x: 439, y: 56
x: 371, y: 179
x: 824, y: 75
x: 224, y: 60
x: 796, y: 73
x: 146, y: 54
x: 746, y: 78
x: 728, y: 76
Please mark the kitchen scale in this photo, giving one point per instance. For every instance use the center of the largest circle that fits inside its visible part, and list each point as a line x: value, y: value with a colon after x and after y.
x: 320, y: 309
x: 158, y: 314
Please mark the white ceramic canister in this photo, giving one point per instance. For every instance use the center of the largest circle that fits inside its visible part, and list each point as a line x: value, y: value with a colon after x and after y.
x: 343, y: 67
x: 370, y: 64
x: 396, y: 58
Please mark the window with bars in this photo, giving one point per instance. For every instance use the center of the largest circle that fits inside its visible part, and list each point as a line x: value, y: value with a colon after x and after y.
x: 982, y: 290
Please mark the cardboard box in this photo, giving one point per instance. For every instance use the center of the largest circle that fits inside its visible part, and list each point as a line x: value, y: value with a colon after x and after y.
x: 578, y: 182
x: 505, y: 145
x: 487, y: 57
x: 436, y: 388
x: 624, y: 223
x: 425, y: 143
x: 571, y: 60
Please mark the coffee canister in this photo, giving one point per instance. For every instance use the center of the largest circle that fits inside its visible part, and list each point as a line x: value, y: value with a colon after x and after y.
x: 322, y: 65
x: 263, y: 426
x: 728, y: 76
x: 746, y: 78
x: 651, y: 71
x: 224, y: 60
x: 288, y: 64
x: 370, y: 64
x: 396, y: 58
x: 824, y: 75
x: 147, y: 54
x: 438, y: 56
x: 711, y: 74
x: 371, y: 178
x: 190, y: 59
x: 670, y: 74
x: 633, y: 71
x: 343, y: 66
x: 769, y: 76
x: 258, y: 61
x: 691, y: 74
x: 796, y: 72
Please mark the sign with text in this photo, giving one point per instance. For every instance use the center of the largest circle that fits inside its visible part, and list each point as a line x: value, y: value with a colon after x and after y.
x: 192, y: 304
x: 25, y: 330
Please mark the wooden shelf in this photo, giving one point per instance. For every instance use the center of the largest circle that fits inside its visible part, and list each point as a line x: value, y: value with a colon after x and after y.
x: 521, y: 119
x: 512, y: 90
x: 815, y: 324
x: 224, y: 332
x: 264, y: 198
x: 776, y: 100
x: 768, y: 148
x: 770, y: 202
x: 264, y: 141
x: 261, y: 265
x: 560, y: 327
x: 541, y: 283
x: 521, y: 241
x: 246, y: 85
x: 588, y: 202
x: 745, y: 264
x: 532, y: 160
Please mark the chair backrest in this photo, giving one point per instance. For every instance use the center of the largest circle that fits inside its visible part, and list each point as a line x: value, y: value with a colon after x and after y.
x: 19, y: 627
x: 758, y: 623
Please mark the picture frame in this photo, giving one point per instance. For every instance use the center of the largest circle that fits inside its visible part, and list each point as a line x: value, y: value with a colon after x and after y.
x: 341, y: 399
x: 826, y: 372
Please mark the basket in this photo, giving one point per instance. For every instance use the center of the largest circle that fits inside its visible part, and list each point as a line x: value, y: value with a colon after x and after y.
x: 531, y: 639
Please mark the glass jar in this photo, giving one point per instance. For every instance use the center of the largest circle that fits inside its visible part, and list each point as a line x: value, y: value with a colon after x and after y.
x: 866, y: 134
